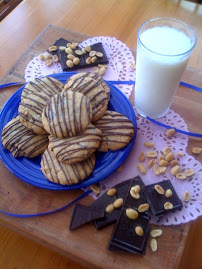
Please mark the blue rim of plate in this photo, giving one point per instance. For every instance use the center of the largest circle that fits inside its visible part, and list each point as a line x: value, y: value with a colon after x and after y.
x: 29, y: 170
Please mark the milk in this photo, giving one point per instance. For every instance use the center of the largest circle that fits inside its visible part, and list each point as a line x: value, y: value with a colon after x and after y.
x: 158, y: 72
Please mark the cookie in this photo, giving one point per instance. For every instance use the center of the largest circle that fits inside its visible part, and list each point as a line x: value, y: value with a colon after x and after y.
x: 67, y: 114
x: 48, y: 85
x: 30, y: 111
x: 66, y: 174
x: 117, y: 131
x: 92, y: 89
x: 77, y: 148
x: 21, y: 141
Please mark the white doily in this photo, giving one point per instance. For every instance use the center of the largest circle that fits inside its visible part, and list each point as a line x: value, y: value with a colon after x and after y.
x: 148, y: 131
x: 119, y: 56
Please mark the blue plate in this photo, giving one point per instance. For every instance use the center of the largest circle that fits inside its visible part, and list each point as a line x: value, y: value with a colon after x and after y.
x: 29, y: 170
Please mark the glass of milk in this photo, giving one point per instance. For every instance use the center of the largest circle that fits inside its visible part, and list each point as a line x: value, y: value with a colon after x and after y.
x: 163, y: 49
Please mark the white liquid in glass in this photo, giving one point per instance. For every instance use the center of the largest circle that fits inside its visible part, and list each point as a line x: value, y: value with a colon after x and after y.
x: 158, y: 72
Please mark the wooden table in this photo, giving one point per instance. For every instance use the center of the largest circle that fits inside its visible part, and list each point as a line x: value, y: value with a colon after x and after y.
x: 92, y: 18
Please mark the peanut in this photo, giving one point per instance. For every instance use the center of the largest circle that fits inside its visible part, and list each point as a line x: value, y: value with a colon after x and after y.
x: 53, y: 48
x: 156, y: 232
x: 166, y: 150
x: 149, y: 144
x: 151, y: 154
x: 139, y: 231
x: 78, y: 52
x: 48, y: 62
x: 136, y: 188
x: 88, y: 48
x: 102, y: 71
x: 180, y: 154
x: 156, y: 169
x: 131, y: 213
x: 186, y: 196
x: 70, y: 56
x: 142, y: 168
x: 196, y: 150
x: 168, y: 193
x: 99, y: 54
x: 175, y: 170
x: 118, y: 203
x: 111, y: 192
x: 151, y: 163
x: 163, y: 163
x: 174, y: 163
x: 76, y: 61
x: 181, y: 176
x: 162, y: 170
x: 159, y: 189
x: 143, y: 207
x: 132, y: 65
x: 69, y: 63
x: 153, y: 245
x: 168, y: 205
x: 55, y: 58
x: 189, y: 172
x: 169, y: 157
x: 170, y: 132
x: 141, y: 157
x: 95, y: 189
x: 41, y: 57
x: 110, y: 208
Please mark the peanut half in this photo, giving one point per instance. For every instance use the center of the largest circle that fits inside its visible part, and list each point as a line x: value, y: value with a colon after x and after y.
x: 153, y: 245
x: 134, y: 194
x: 168, y: 205
x: 118, y: 203
x: 175, y: 170
x: 156, y: 169
x: 141, y: 157
x: 53, y: 48
x: 136, y: 188
x: 159, y: 189
x: 196, y: 150
x: 131, y: 213
x: 181, y: 176
x: 139, y: 231
x: 143, y: 207
x: 166, y: 150
x: 170, y: 132
x: 111, y: 192
x: 109, y: 209
x: 163, y: 163
x: 169, y: 157
x: 151, y: 154
x: 95, y: 189
x: 168, y: 193
x: 142, y: 168
x: 174, y: 163
x: 149, y: 144
x: 189, y: 172
x: 156, y: 233
x: 151, y: 163
x: 186, y: 196
x: 180, y: 154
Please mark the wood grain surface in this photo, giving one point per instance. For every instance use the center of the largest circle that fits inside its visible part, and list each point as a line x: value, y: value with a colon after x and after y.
x: 109, y: 18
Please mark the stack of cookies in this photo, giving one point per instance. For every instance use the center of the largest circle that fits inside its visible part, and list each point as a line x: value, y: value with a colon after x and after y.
x: 71, y: 122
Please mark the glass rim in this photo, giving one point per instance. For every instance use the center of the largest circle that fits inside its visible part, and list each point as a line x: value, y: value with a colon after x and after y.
x: 171, y: 19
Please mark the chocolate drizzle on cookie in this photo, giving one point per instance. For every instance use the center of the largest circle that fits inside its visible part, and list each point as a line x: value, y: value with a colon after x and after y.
x: 66, y: 174
x: 117, y: 131
x: 93, y: 89
x: 78, y: 148
x: 67, y: 114
x: 21, y: 141
x: 47, y: 85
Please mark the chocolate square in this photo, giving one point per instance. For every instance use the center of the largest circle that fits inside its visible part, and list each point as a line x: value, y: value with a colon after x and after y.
x: 124, y: 236
x: 156, y: 201
x: 83, y: 214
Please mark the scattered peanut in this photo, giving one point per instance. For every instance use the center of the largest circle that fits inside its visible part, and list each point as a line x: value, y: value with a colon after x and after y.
x: 118, y: 203
x: 169, y: 157
x: 180, y: 154
x: 159, y: 189
x: 170, y: 132
x: 168, y: 193
x: 53, y: 48
x: 94, y: 59
x: 88, y: 48
x: 41, y: 57
x: 139, y: 231
x: 163, y: 163
x: 136, y: 188
x: 175, y: 170
x: 131, y: 213
x: 160, y: 158
x: 134, y: 194
x: 70, y: 56
x: 166, y: 150
x: 68, y: 51
x: 132, y: 65
x: 88, y: 60
x: 168, y: 205
x: 69, y: 45
x: 62, y: 48
x: 149, y: 144
x: 95, y: 189
x: 83, y: 51
x: 143, y: 207
x: 69, y: 63
x: 189, y: 172
x: 151, y: 163
x: 78, y: 52
x: 48, y: 56
x: 99, y: 54
x: 55, y: 58
x: 96, y: 70
x: 111, y: 192
x: 174, y: 163
x: 156, y: 169
x: 48, y: 62
x: 102, y: 71
x: 92, y: 53
x: 76, y: 61
x: 186, y: 196
x: 151, y: 154
x: 153, y: 245
x: 156, y: 233
x: 109, y: 209
x: 181, y: 176
x: 142, y: 168
x: 196, y: 150
x: 162, y: 170
x: 141, y: 157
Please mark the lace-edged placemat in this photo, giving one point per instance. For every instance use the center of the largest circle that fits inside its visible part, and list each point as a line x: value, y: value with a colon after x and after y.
x: 119, y: 56
x: 147, y: 131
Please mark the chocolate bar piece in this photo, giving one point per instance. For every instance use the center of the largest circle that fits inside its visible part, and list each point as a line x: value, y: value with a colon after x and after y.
x: 63, y: 55
x: 156, y: 201
x: 103, y: 201
x: 124, y: 236
x: 83, y: 214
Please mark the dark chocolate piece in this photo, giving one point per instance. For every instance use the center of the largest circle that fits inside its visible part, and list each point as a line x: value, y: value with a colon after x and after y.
x: 103, y: 201
x: 156, y: 201
x: 124, y: 237
x: 83, y: 214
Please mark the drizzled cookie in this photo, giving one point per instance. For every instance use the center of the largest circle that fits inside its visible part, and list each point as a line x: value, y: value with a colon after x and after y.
x: 67, y: 114
x: 20, y: 141
x: 91, y: 88
x: 65, y: 174
x: 48, y: 85
x: 77, y: 148
x: 117, y: 131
